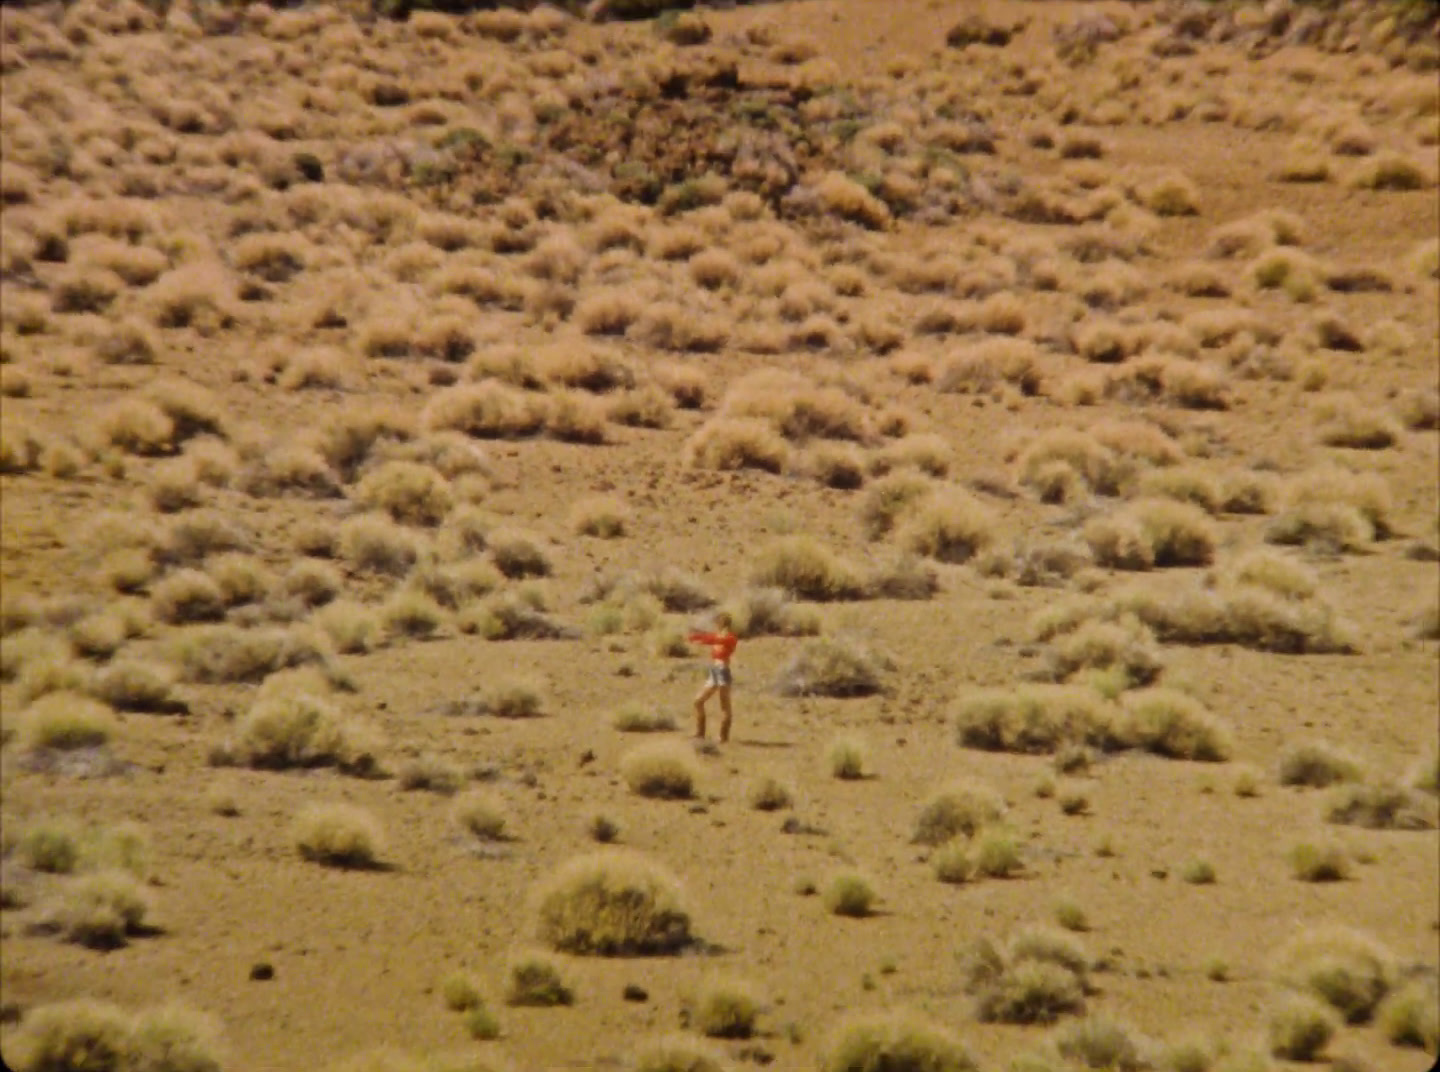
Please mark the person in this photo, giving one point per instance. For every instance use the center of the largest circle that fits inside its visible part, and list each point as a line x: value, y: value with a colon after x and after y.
x: 717, y: 679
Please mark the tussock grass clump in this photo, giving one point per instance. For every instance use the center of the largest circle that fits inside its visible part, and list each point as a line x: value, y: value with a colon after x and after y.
x: 98, y: 1036
x: 769, y: 794
x: 486, y: 410
x: 1172, y: 724
x: 1100, y: 1043
x: 1325, y: 862
x: 1152, y: 533
x: 1275, y: 572
x: 1124, y: 651
x: 613, y: 903
x: 833, y: 666
x: 951, y: 526
x: 730, y: 443
x: 460, y: 992
x: 409, y: 492
x: 1038, y: 719
x: 517, y: 555
x: 849, y: 894
x: 847, y: 758
x: 890, y: 499
x: 1300, y: 1027
x: 961, y: 808
x: 535, y: 980
x: 65, y: 721
x: 726, y: 1008
x: 187, y: 595
x: 770, y: 612
x: 1039, y: 976
x: 602, y: 516
x: 338, y: 835
x: 1348, y: 970
x: 805, y: 569
x: 679, y: 1053
x: 661, y: 769
x: 480, y: 814
x: 298, y: 729
x: 1345, y: 422
x: 100, y: 909
x: 411, y: 612
x: 1389, y: 170
x: 636, y: 719
x: 1318, y: 764
x: 510, y: 616
x: 1410, y: 1016
x: 1380, y: 805
x: 897, y: 1041
x: 430, y: 772
x: 375, y: 543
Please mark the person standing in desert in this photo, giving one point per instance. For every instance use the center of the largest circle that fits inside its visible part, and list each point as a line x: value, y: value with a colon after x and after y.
x: 717, y: 678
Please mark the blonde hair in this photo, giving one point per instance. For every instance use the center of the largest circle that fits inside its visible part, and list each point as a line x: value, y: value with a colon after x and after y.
x: 723, y: 619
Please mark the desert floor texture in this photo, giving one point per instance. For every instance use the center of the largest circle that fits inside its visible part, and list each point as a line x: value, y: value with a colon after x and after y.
x: 1088, y: 377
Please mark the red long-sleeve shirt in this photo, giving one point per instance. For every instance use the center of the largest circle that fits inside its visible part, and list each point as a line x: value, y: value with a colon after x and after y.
x: 722, y: 645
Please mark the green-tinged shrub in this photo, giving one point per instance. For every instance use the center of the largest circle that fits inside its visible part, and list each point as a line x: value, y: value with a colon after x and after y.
x: 613, y: 903
x: 833, y: 666
x: 338, y: 835
x: 65, y: 721
x: 769, y: 794
x: 1326, y: 862
x: 961, y: 808
x: 805, y: 569
x: 100, y: 909
x: 1346, y: 969
x: 636, y: 719
x: 174, y: 1038
x: 1300, y: 1028
x: 1039, y: 718
x: 460, y: 992
x: 663, y: 769
x: 726, y: 1008
x: 894, y: 1041
x: 480, y: 814
x: 847, y: 758
x: 1032, y: 982
x: 678, y: 1053
x: 535, y: 980
x: 849, y: 894
x: 1099, y: 1043
x: 1380, y: 806
x: 1172, y: 724
x: 1410, y: 1016
x: 298, y: 729
x: 1318, y: 764
x: 71, y: 1036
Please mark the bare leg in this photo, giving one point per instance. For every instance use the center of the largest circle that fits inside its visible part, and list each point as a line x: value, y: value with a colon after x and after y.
x: 705, y: 694
x: 725, y: 713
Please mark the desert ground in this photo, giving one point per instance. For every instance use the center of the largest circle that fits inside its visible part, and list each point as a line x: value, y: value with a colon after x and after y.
x: 1048, y: 390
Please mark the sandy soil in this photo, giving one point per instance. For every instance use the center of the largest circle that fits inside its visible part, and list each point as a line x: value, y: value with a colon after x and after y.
x: 358, y: 956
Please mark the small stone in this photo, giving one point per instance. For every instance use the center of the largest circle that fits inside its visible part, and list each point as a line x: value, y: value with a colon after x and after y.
x: 633, y: 992
x: 262, y: 971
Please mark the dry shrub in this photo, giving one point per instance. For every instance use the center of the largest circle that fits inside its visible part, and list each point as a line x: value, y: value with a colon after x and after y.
x: 726, y: 1008
x: 295, y: 728
x: 889, y: 500
x: 902, y: 576
x: 1344, y: 422
x: 613, y: 903
x: 661, y: 769
x: 136, y: 685
x: 1152, y: 533
x: 678, y: 1053
x: 833, y: 666
x: 1326, y: 862
x: 100, y: 909
x: 188, y: 595
x: 850, y: 201
x: 1172, y: 724
x: 1038, y: 718
x: 1333, y: 508
x: 199, y: 296
x: 487, y: 410
x: 849, y: 894
x: 805, y: 569
x: 1039, y: 976
x: 1096, y: 1042
x: 517, y: 554
x: 61, y: 1035
x: 411, y: 612
x: 372, y: 542
x: 835, y: 465
x: 480, y: 814
x: 894, y: 1040
x: 1380, y: 806
x: 1389, y: 170
x: 535, y: 981
x: 1344, y: 968
x: 1187, y: 484
x: 64, y: 721
x: 338, y: 835
x: 409, y: 492
x: 769, y: 612
x: 1318, y: 764
x: 796, y: 407
x: 737, y: 443
x: 1120, y: 655
x: 510, y: 616
x: 960, y: 809
x: 983, y: 366
x: 950, y: 525
x: 1410, y: 1016
x: 138, y: 426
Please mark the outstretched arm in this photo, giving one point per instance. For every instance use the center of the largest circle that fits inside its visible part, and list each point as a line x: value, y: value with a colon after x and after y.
x: 702, y: 638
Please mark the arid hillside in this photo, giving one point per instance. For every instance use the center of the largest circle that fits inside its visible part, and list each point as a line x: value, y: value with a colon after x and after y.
x: 1048, y: 392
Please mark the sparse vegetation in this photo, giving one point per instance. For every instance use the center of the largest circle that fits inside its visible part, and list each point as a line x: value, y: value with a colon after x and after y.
x: 662, y: 769
x: 613, y: 903
x: 899, y: 1040
x: 338, y: 835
